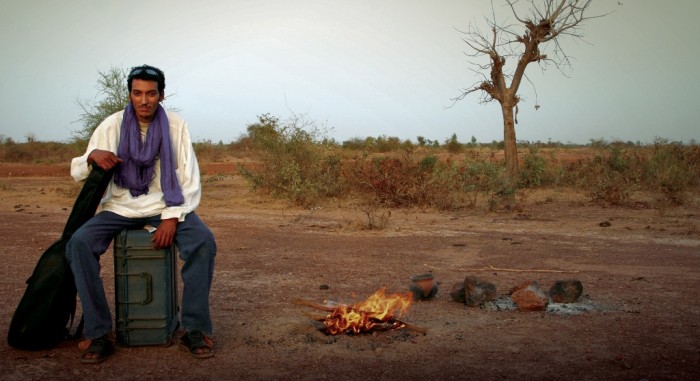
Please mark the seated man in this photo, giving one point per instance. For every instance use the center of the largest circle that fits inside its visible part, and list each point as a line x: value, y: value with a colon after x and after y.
x: 156, y: 182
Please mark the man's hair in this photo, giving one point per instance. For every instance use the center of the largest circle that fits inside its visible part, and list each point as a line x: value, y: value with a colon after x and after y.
x: 148, y: 73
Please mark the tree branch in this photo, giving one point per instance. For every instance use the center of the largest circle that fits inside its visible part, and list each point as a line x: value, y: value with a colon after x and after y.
x: 542, y: 21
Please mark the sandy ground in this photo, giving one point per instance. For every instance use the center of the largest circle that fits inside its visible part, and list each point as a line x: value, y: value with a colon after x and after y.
x: 638, y: 319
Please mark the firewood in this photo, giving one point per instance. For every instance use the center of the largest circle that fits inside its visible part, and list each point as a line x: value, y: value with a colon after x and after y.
x: 412, y: 327
x: 491, y: 268
x: 311, y: 304
x: 322, y: 307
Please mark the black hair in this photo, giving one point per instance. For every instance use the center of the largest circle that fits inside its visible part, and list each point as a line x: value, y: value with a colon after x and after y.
x: 148, y: 73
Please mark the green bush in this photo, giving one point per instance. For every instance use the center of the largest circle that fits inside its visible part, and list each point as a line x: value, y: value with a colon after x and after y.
x: 533, y: 169
x: 295, y: 162
x: 670, y: 171
x: 429, y: 182
x: 618, y: 170
x: 537, y: 170
x: 610, y: 175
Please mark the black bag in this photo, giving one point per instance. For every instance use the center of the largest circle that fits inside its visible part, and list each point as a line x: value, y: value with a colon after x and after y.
x: 45, y: 313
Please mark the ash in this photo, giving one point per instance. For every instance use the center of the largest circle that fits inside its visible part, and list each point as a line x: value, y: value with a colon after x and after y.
x: 505, y: 303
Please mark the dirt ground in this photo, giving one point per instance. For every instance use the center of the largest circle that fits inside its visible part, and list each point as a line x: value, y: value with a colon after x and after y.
x: 639, y: 317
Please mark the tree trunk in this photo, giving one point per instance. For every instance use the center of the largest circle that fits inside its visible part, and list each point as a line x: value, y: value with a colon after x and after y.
x: 511, y: 149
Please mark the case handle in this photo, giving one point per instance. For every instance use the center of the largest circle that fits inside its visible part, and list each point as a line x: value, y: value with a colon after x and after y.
x: 149, y: 287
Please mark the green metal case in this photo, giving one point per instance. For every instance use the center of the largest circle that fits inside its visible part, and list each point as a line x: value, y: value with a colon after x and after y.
x: 145, y: 287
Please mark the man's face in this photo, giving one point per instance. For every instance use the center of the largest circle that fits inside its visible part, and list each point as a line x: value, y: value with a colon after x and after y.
x: 145, y: 98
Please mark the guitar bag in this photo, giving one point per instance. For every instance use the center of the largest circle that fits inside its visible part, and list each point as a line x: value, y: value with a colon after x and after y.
x: 46, y: 311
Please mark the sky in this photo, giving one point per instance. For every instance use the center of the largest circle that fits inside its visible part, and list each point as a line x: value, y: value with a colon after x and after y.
x: 355, y: 68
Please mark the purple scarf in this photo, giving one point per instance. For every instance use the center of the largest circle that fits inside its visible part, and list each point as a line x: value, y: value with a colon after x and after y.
x: 136, y: 172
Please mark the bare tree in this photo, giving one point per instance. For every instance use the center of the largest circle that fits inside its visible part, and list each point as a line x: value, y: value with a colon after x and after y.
x: 31, y: 137
x: 535, y: 30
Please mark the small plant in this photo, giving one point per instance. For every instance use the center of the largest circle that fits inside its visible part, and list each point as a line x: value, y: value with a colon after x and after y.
x: 669, y: 172
x: 540, y: 169
x: 377, y: 218
x: 478, y: 175
x: 609, y: 175
x: 501, y: 198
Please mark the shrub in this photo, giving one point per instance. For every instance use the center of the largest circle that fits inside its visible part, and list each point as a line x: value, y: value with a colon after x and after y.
x: 670, y: 171
x: 208, y: 151
x: 478, y: 175
x: 609, y: 175
x: 453, y: 145
x: 429, y: 182
x: 537, y: 170
x: 386, y: 179
x: 39, y: 152
x: 295, y: 162
x: 533, y: 169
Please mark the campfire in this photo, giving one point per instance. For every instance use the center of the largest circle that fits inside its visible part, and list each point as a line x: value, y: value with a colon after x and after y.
x: 380, y: 312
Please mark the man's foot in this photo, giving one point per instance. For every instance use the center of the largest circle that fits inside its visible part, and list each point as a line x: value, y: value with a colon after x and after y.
x: 96, y: 350
x: 197, y: 344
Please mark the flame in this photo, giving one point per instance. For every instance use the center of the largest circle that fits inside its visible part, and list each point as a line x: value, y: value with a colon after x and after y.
x: 375, y: 312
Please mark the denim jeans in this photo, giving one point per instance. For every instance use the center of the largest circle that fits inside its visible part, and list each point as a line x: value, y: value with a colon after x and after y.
x: 196, y: 246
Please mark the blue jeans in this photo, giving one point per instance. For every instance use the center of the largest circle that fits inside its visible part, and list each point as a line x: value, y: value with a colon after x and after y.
x: 197, y: 249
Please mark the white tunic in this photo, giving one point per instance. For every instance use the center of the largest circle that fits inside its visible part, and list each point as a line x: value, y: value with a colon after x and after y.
x: 119, y: 200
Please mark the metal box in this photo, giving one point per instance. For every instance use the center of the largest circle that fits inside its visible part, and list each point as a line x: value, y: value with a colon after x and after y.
x: 145, y: 288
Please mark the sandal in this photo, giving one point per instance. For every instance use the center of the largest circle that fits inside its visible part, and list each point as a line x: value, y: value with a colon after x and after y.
x: 197, y: 344
x: 102, y: 347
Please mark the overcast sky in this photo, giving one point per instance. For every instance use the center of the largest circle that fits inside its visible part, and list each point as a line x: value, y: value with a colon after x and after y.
x: 361, y: 68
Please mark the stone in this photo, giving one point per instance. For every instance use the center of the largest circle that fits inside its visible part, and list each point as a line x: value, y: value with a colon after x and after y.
x: 457, y: 292
x: 522, y: 285
x: 530, y: 298
x: 477, y: 291
x: 566, y: 291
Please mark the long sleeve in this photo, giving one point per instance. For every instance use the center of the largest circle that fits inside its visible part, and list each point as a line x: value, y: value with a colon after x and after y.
x: 119, y: 200
x: 105, y: 137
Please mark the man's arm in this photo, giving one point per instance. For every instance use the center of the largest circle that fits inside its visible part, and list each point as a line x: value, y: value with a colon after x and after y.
x: 104, y: 138
x: 165, y: 234
x: 103, y: 159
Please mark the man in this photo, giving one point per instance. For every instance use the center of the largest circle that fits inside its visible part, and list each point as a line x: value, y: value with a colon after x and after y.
x: 156, y: 182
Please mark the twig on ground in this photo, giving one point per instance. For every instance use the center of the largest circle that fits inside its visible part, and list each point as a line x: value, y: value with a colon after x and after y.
x: 491, y: 268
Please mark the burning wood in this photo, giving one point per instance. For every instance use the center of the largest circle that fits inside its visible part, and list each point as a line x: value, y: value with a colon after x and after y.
x: 375, y: 313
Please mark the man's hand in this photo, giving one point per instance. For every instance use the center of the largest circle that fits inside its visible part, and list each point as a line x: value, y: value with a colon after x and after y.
x: 103, y: 159
x: 165, y: 234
